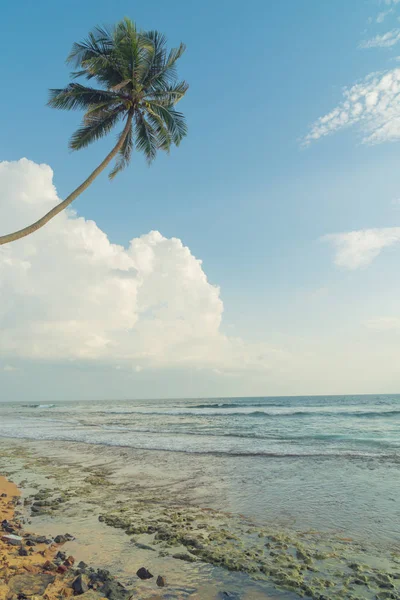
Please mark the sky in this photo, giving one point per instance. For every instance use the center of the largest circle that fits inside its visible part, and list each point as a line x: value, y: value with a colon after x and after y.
x: 261, y: 257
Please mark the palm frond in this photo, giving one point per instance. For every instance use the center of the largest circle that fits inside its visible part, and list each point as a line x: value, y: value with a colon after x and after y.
x: 164, y: 70
x: 77, y: 96
x: 95, y: 128
x: 174, y: 120
x: 170, y: 95
x: 146, y: 137
x: 98, y: 43
x: 164, y: 138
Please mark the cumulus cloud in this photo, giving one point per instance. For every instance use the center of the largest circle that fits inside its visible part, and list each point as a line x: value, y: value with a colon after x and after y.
x: 68, y: 293
x: 356, y: 249
x: 384, y: 40
x: 373, y: 104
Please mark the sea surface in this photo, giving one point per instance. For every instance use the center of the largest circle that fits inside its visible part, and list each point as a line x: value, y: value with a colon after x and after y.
x: 327, y: 462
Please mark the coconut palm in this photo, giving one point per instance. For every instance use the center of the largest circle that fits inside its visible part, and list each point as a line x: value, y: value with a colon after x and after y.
x: 138, y: 86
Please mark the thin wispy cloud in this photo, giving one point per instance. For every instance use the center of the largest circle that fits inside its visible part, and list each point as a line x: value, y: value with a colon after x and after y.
x: 382, y: 15
x: 373, y: 104
x: 385, y: 40
x: 357, y: 249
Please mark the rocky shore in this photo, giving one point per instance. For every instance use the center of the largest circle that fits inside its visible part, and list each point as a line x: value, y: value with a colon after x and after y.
x: 35, y: 566
x: 83, y: 489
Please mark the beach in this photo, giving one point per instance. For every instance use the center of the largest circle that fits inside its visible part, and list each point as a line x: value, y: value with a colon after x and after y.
x: 216, y: 524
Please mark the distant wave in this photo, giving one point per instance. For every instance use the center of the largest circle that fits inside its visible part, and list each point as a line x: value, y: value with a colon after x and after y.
x: 38, y: 405
x: 235, y: 405
x: 259, y: 413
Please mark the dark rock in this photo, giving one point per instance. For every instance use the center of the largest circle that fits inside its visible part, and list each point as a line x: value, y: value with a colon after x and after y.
x: 113, y: 590
x: 69, y: 537
x: 49, y: 566
x: 82, y: 565
x: 161, y: 581
x: 30, y: 543
x: 4, y: 495
x: 39, y: 539
x: 60, y: 539
x: 228, y: 596
x: 101, y: 519
x: 61, y: 555
x: 184, y: 556
x: 103, y: 575
x: 23, y: 551
x: 80, y: 585
x: 30, y: 585
x: 12, y: 540
x: 143, y: 573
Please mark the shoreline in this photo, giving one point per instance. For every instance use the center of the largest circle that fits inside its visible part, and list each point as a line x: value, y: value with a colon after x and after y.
x: 203, y: 552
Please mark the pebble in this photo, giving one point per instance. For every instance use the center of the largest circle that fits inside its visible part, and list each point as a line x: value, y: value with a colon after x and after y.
x: 161, y: 581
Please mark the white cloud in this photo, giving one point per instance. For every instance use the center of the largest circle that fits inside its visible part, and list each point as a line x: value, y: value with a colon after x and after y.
x: 9, y: 369
x: 382, y: 15
x: 384, y: 40
x: 373, y: 104
x: 356, y: 249
x: 67, y: 293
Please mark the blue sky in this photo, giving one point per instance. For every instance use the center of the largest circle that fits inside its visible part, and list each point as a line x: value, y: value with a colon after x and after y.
x: 242, y: 192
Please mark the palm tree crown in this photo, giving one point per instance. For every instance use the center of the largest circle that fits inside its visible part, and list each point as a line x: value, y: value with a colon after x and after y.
x: 139, y: 85
x: 138, y: 82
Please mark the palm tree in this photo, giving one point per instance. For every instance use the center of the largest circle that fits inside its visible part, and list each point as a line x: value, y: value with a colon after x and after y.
x: 138, y: 85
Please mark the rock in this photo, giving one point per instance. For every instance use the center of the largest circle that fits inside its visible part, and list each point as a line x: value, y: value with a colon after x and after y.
x: 30, y: 585
x: 38, y: 539
x: 23, y: 551
x: 143, y: 573
x: 113, y: 590
x: 12, y: 540
x: 82, y: 565
x: 184, y: 556
x: 60, y: 539
x: 80, y: 585
x: 228, y: 596
x: 62, y: 569
x: 161, y: 581
x: 30, y: 543
x: 49, y: 566
x: 69, y: 537
x: 61, y: 555
x: 4, y: 495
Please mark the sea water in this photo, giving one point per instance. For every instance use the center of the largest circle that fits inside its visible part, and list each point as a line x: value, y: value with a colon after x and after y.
x: 330, y: 462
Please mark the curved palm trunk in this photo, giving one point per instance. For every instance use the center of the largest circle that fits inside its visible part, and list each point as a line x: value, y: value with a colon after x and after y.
x: 11, y: 237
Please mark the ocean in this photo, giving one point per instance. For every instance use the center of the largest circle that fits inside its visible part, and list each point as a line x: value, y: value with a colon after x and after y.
x: 327, y: 462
